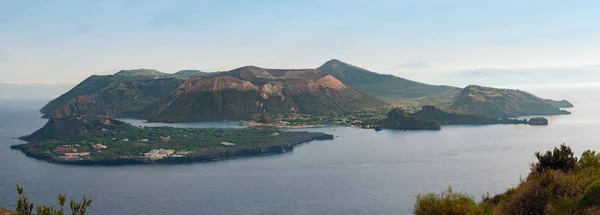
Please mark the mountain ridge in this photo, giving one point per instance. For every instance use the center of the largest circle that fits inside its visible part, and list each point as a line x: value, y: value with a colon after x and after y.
x: 238, y: 93
x: 389, y: 87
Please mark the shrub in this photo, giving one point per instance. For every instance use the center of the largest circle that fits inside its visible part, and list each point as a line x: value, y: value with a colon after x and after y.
x: 589, y: 159
x: 24, y: 207
x: 542, y: 193
x: 591, y: 196
x: 560, y: 159
x: 447, y: 202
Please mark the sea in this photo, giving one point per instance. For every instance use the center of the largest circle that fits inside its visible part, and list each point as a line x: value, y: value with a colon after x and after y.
x: 362, y: 171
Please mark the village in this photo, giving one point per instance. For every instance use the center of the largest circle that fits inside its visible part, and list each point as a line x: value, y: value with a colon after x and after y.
x: 72, y: 152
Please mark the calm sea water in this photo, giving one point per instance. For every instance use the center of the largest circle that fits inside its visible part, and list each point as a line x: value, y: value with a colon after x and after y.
x: 360, y: 172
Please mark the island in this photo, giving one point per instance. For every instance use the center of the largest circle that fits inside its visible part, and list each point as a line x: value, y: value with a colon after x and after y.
x: 538, y: 121
x: 432, y: 118
x: 89, y: 140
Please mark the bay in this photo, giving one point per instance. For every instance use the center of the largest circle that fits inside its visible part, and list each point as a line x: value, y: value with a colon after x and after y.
x: 360, y: 172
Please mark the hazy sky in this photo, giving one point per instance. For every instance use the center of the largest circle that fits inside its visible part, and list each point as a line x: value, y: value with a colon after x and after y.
x: 66, y: 41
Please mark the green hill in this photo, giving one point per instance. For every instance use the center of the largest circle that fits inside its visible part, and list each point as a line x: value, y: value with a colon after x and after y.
x: 142, y: 74
x: 502, y: 103
x: 389, y: 87
x: 185, y: 74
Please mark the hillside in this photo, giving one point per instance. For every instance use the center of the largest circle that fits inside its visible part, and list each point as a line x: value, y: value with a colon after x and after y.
x: 5, y: 211
x: 428, y: 112
x: 502, y: 103
x: 238, y: 93
x: 58, y: 128
x: 431, y: 118
x: 142, y: 73
x: 185, y: 74
x: 404, y: 120
x: 111, y: 95
x: 389, y: 87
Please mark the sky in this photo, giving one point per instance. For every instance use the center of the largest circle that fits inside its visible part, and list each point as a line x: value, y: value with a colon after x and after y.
x: 63, y: 42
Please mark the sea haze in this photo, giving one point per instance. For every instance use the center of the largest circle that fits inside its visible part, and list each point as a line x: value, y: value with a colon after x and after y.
x: 360, y: 172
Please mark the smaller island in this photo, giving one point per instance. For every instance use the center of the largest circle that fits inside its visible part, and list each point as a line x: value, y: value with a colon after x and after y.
x: 538, y: 121
x: 87, y: 140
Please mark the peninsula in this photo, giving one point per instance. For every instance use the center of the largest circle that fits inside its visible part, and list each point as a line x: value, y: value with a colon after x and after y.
x: 87, y: 140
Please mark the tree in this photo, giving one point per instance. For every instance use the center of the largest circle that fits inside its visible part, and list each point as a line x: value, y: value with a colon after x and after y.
x: 24, y: 207
x: 559, y: 159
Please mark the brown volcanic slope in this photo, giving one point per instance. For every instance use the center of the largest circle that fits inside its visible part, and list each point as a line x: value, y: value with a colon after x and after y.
x: 238, y: 93
x: 111, y: 95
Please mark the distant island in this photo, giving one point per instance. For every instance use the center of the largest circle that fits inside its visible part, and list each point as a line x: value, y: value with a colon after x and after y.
x: 333, y: 89
x: 87, y: 140
x: 432, y: 118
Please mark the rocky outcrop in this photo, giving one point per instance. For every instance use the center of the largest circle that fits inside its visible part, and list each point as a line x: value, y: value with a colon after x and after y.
x: 237, y: 94
x: 404, y: 120
x: 502, y: 103
x: 559, y: 104
x: 538, y: 121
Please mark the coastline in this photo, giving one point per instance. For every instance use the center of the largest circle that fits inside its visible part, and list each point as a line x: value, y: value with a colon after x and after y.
x: 208, y: 155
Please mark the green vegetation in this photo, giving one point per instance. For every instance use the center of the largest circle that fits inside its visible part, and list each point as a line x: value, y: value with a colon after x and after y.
x: 558, y: 183
x: 501, y: 103
x: 397, y: 90
x: 24, y: 207
x: 93, y: 140
x: 447, y: 202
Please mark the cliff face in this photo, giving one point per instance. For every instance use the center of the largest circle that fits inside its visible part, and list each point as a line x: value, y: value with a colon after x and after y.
x: 401, y: 119
x: 109, y: 96
x: 57, y: 128
x: 248, y: 90
x: 502, y: 103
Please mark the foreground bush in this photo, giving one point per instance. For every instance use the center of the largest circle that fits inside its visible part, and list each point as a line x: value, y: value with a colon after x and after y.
x: 559, y: 159
x: 24, y: 207
x: 446, y: 202
x: 591, y: 196
x: 557, y: 184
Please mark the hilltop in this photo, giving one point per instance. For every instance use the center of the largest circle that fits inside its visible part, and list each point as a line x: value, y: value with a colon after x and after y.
x: 502, y: 103
x: 238, y: 93
x: 57, y: 128
x: 389, y: 87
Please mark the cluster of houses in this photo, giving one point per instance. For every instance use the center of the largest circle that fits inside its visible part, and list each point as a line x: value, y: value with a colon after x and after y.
x: 99, y: 146
x: 70, y: 153
x: 157, y: 154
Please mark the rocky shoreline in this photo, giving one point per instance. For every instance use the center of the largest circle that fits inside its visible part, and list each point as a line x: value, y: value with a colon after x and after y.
x: 208, y: 155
